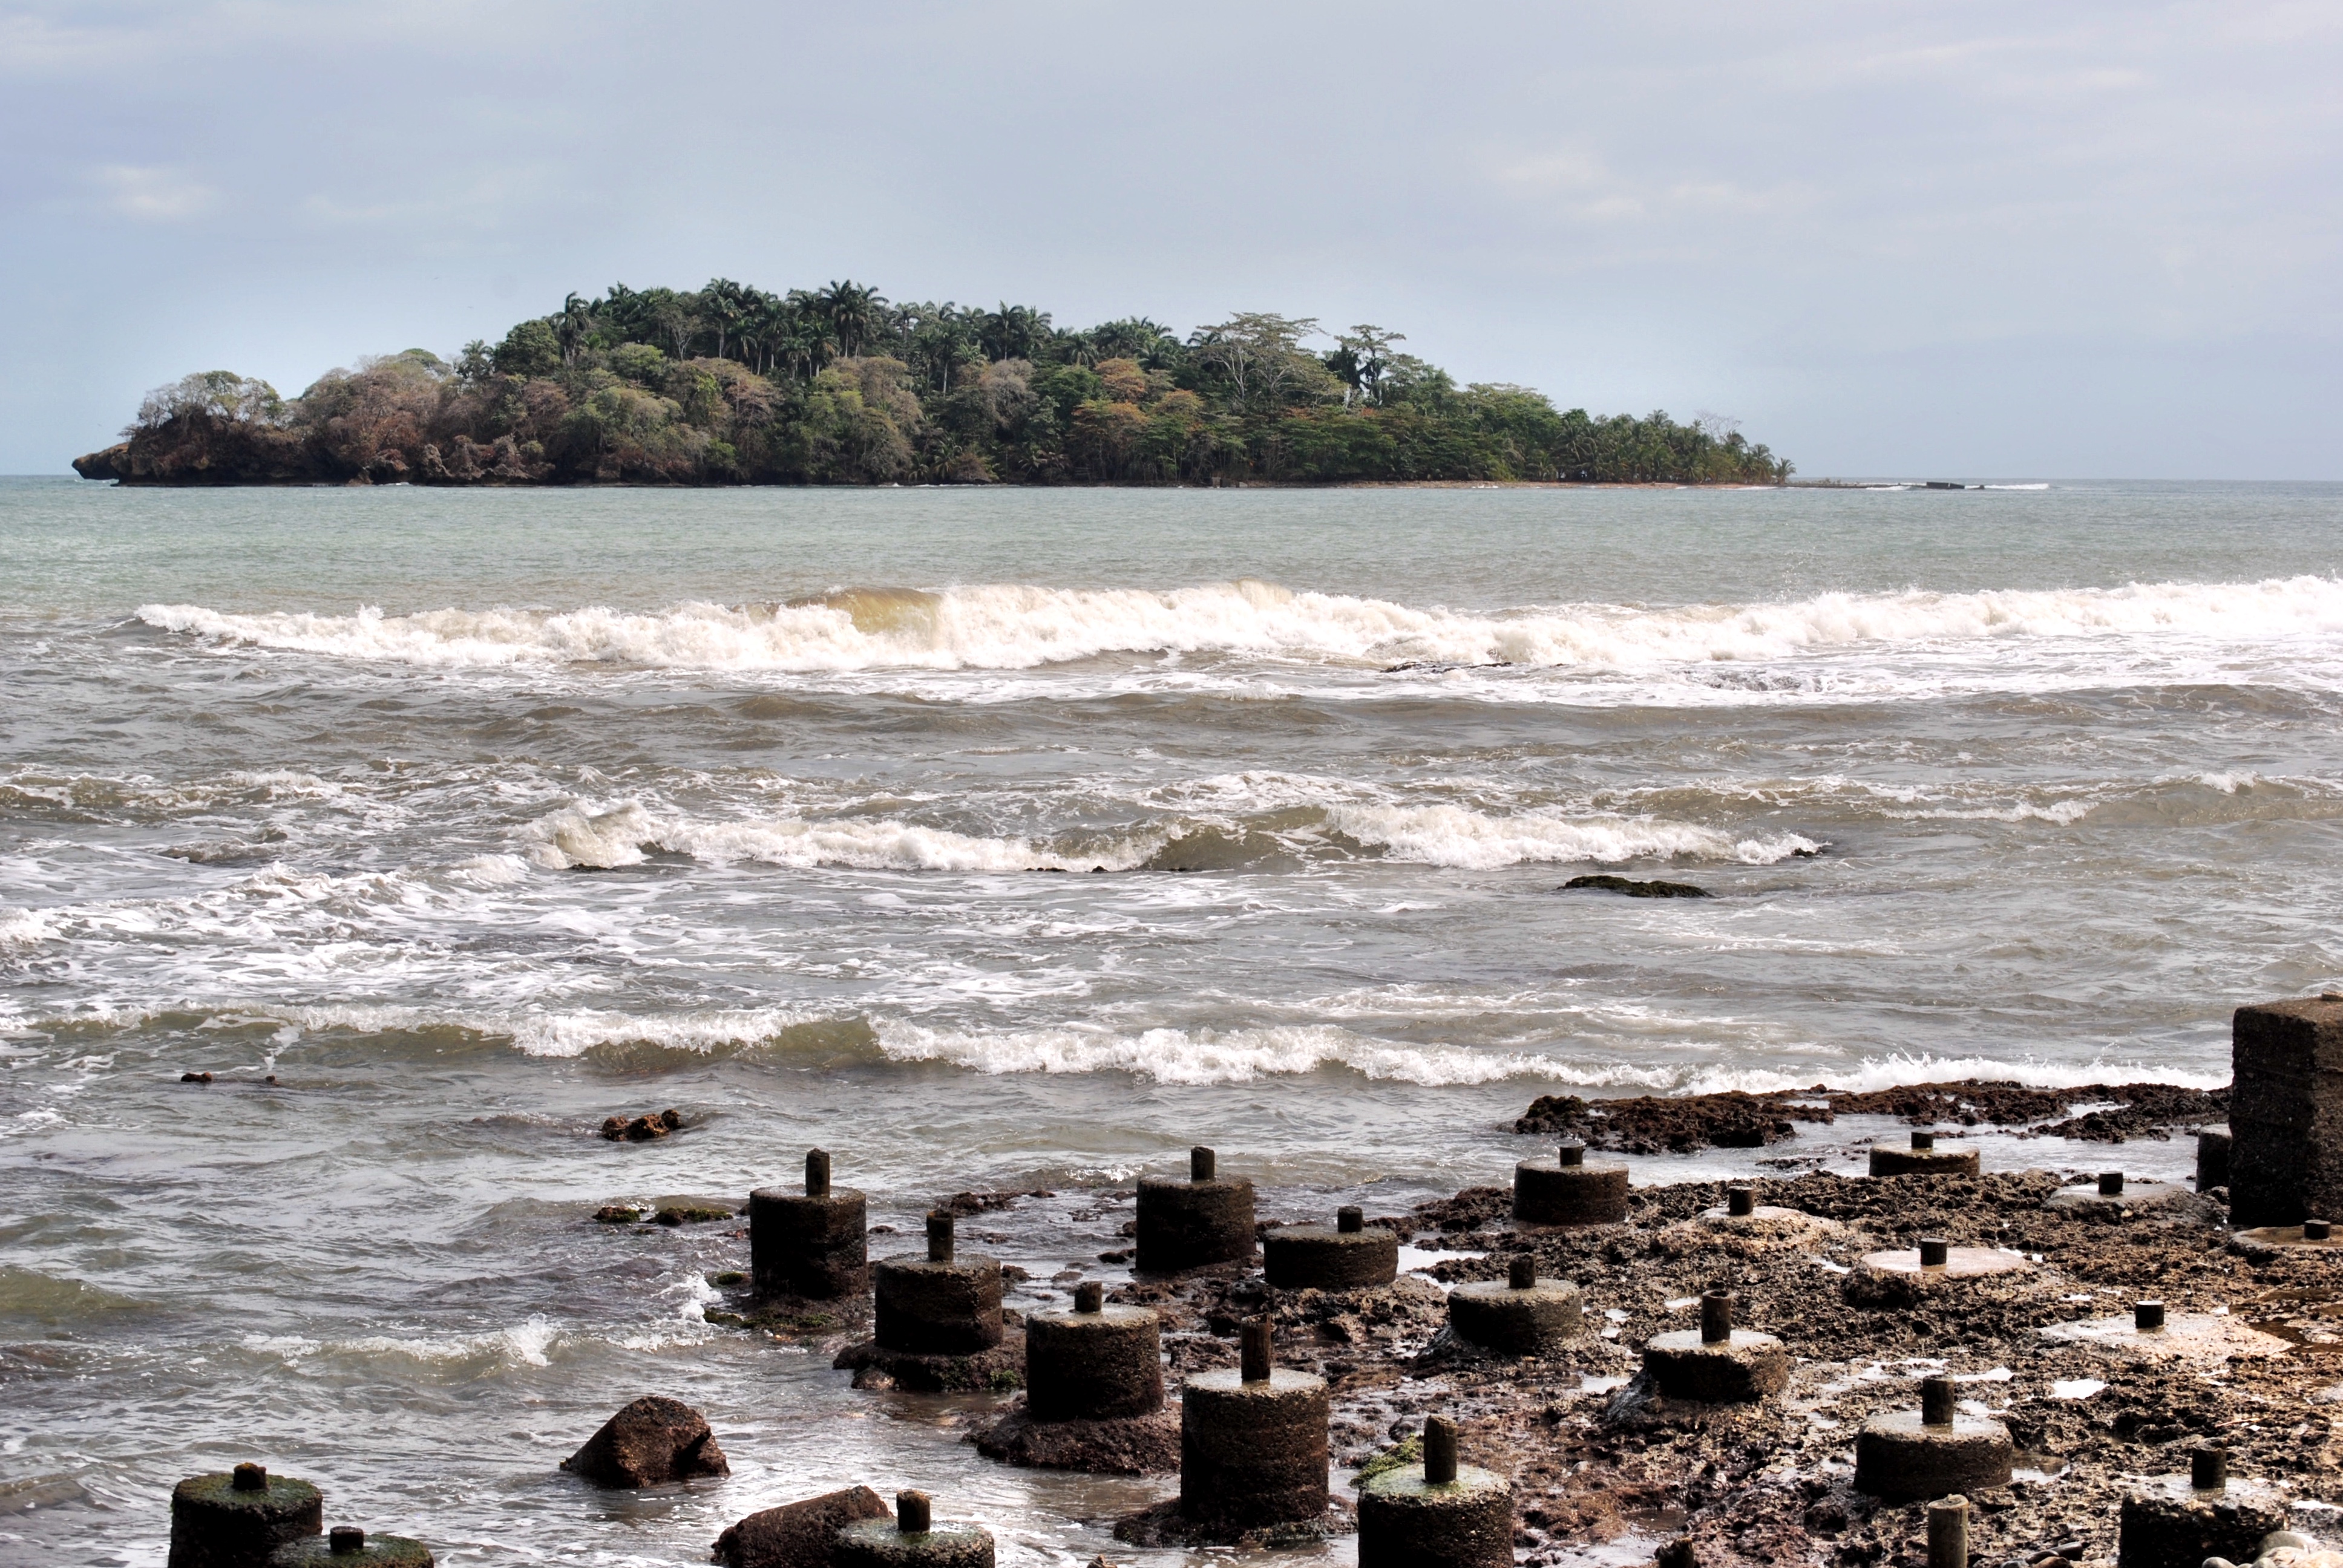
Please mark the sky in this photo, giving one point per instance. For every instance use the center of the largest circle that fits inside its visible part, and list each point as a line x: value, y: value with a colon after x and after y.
x: 1982, y: 239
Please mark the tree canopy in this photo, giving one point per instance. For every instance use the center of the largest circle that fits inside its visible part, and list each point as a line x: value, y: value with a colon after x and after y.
x: 729, y: 384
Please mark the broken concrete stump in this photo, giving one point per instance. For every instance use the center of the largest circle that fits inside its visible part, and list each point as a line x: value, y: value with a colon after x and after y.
x: 1570, y: 1192
x: 348, y: 1546
x: 1208, y: 1219
x: 1436, y: 1514
x: 238, y: 1518
x: 1922, y: 1159
x: 914, y: 1538
x: 650, y: 1442
x: 813, y: 1243
x: 2213, y: 1156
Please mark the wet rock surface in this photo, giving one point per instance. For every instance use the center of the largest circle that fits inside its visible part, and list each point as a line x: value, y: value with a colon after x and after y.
x: 1650, y: 1124
x: 652, y: 1441
x: 796, y: 1534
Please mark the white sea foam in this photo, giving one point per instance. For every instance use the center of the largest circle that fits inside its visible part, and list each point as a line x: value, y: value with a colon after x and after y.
x: 1228, y: 1056
x: 1456, y: 836
x: 1438, y: 835
x: 1895, y: 1071
x: 1007, y: 626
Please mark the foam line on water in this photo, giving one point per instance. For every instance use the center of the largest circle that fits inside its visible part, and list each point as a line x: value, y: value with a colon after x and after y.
x: 1009, y: 626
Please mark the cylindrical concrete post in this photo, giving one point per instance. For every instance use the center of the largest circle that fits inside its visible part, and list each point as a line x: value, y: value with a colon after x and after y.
x: 814, y: 1244
x: 1902, y: 1455
x: 1934, y: 1251
x: 2208, y: 1470
x: 1922, y: 1159
x: 1740, y: 1203
x: 1520, y: 1316
x: 346, y: 1546
x: 912, y: 1539
x: 2146, y: 1317
x: 1195, y: 1223
x: 1570, y: 1192
x: 2213, y: 1156
x: 1349, y: 1257
x: 1716, y: 1317
x: 1444, y: 1514
x: 1253, y: 1442
x: 938, y: 1305
x: 1096, y: 1362
x: 1948, y: 1532
x: 2111, y: 1183
x: 235, y: 1519
x: 1936, y: 1403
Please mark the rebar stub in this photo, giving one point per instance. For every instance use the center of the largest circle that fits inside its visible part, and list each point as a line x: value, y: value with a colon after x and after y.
x: 1256, y: 1351
x: 1439, y: 1450
x: 1716, y: 1317
x: 816, y: 1173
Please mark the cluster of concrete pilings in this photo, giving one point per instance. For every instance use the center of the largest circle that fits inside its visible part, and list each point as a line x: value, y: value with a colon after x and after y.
x: 1253, y: 1440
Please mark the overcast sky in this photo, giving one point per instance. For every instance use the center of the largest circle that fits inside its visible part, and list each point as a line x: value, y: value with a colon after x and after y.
x: 1982, y: 238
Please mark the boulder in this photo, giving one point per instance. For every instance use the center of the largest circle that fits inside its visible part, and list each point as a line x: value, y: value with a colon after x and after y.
x: 652, y: 1441
x: 796, y: 1534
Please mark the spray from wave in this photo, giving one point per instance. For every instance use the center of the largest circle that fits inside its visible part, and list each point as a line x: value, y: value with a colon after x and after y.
x: 1016, y: 627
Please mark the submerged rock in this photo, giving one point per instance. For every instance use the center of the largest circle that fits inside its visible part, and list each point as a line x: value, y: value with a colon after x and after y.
x: 1653, y: 890
x: 650, y: 1442
x: 642, y: 1129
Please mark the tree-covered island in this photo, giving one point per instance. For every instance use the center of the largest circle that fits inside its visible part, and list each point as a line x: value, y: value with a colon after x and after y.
x: 732, y: 385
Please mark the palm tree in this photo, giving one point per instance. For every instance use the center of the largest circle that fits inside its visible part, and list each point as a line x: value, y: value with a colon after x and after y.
x: 571, y: 327
x: 851, y: 310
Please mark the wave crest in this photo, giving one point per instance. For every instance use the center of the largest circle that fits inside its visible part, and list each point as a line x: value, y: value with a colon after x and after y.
x: 1022, y: 626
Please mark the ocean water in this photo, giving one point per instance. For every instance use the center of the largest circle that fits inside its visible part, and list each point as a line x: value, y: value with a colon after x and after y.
x: 1017, y: 839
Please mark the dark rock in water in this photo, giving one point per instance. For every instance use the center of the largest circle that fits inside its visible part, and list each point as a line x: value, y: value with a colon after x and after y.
x: 195, y: 1078
x: 796, y: 1534
x: 691, y: 1212
x: 642, y: 1129
x: 1649, y: 1124
x: 617, y: 1214
x: 652, y: 1441
x: 1119, y: 1445
x: 1633, y: 890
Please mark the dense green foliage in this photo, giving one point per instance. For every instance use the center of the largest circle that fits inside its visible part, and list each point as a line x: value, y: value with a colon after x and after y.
x: 734, y: 384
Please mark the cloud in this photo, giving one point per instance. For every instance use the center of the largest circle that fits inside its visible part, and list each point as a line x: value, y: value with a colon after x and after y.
x: 154, y: 194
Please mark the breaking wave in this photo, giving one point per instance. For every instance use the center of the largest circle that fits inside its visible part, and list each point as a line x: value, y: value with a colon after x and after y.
x: 1456, y: 836
x: 1016, y: 626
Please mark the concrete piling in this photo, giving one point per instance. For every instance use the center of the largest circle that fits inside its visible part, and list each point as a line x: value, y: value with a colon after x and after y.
x: 348, y: 1546
x: 1349, y: 1257
x: 912, y: 1539
x: 1192, y: 1224
x: 1519, y: 1316
x: 1922, y: 1159
x: 1096, y: 1362
x: 814, y: 1244
x: 1717, y: 1363
x: 2178, y: 1522
x: 1935, y: 1252
x: 1948, y: 1532
x: 940, y: 1303
x: 1253, y: 1442
x: 238, y: 1518
x: 2213, y: 1156
x: 1740, y: 1203
x: 2110, y: 1183
x: 2285, y: 1109
x: 1439, y: 1514
x: 1570, y: 1192
x: 1901, y: 1455
x: 2146, y: 1317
